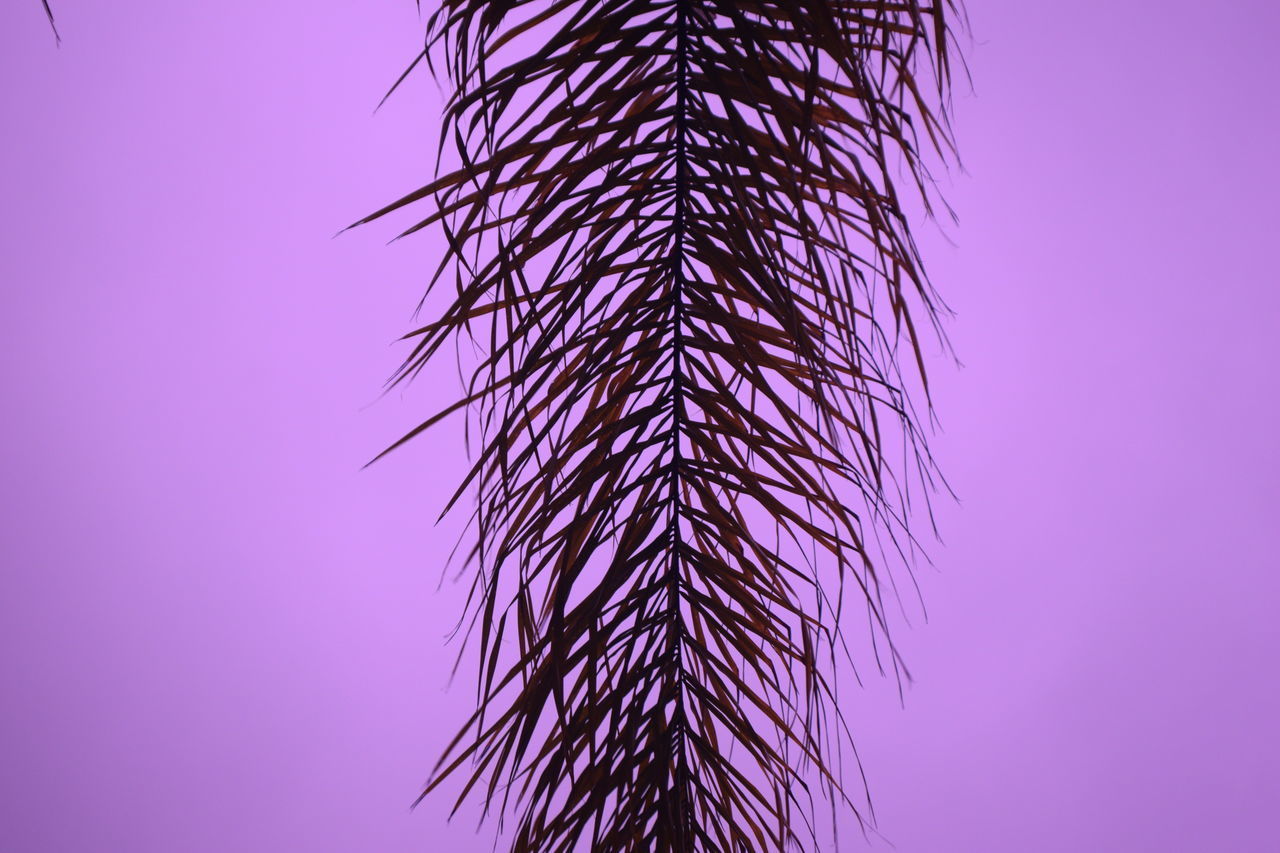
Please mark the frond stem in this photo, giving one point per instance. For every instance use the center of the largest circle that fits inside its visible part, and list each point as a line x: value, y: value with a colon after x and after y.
x: 675, y: 630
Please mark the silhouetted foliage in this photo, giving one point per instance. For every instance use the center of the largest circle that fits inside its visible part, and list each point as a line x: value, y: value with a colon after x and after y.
x: 677, y: 234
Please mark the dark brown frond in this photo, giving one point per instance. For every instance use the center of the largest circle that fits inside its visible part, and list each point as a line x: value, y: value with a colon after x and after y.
x: 678, y: 233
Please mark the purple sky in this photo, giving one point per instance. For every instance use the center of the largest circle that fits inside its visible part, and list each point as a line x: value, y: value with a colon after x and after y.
x: 218, y: 634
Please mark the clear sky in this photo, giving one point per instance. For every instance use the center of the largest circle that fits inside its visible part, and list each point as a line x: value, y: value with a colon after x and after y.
x: 218, y: 634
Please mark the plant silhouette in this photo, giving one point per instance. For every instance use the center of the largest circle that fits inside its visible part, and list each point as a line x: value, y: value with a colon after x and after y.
x: 676, y: 232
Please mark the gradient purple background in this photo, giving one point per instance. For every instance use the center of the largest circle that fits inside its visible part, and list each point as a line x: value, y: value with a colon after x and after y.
x: 220, y: 635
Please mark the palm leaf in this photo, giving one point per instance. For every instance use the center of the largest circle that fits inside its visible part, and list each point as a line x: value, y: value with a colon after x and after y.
x: 677, y: 234
x: 48, y: 10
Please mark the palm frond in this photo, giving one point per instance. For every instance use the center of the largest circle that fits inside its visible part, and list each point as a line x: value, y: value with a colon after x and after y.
x: 677, y: 232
